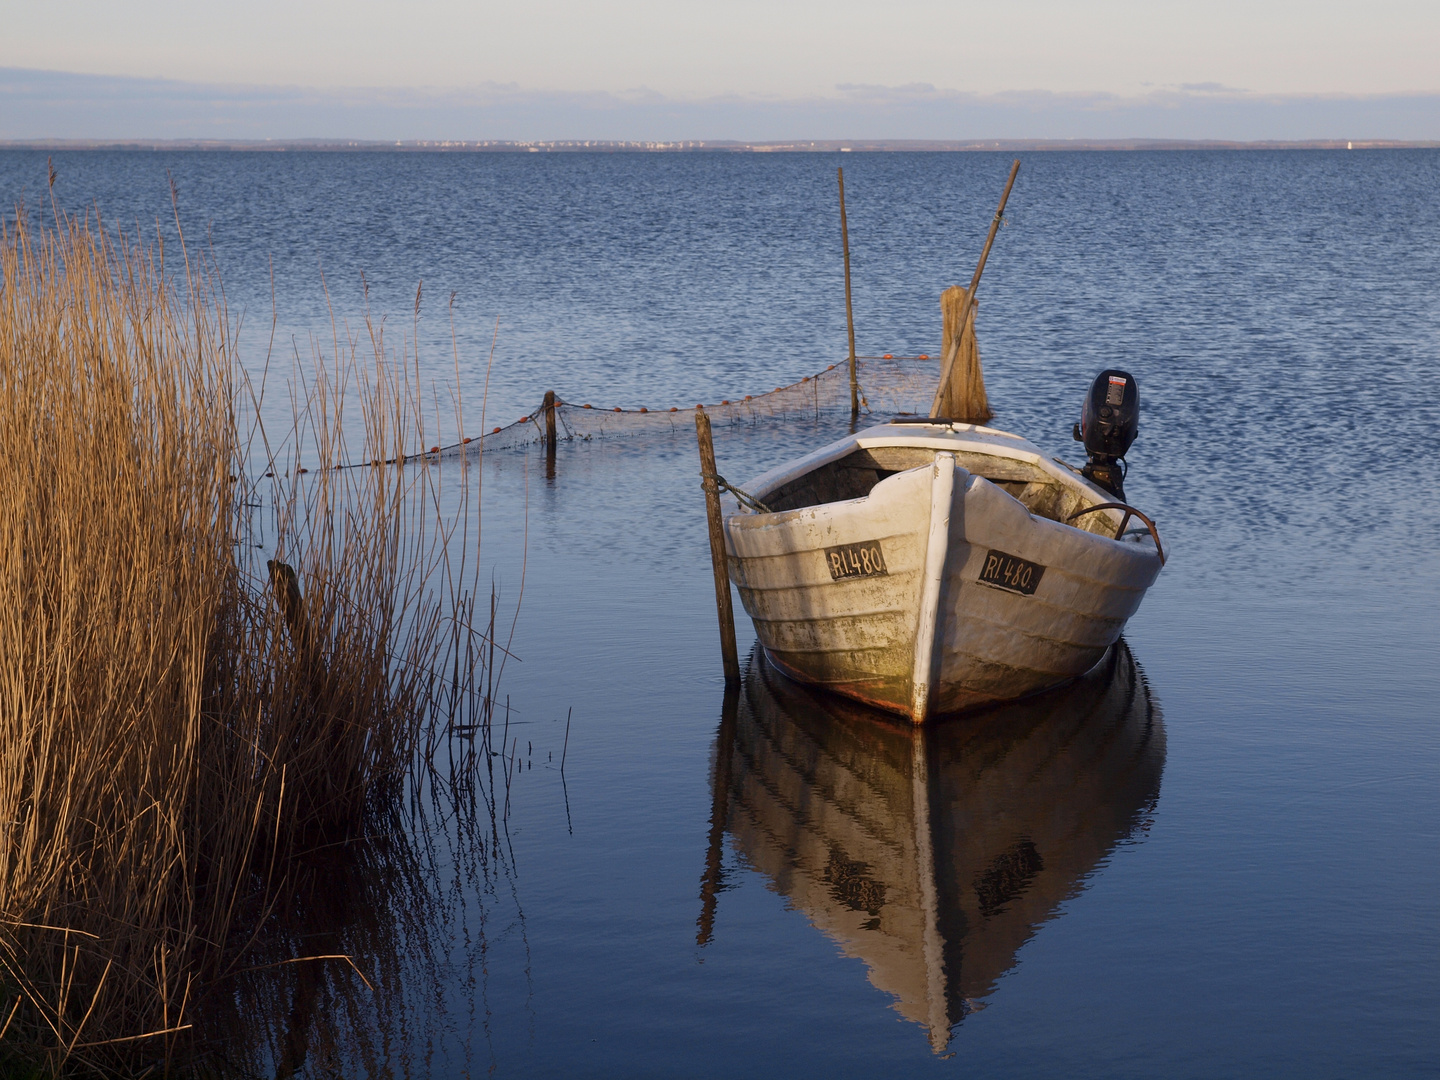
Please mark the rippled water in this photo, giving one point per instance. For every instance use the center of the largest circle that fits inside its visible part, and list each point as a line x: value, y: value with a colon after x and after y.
x: 1220, y: 860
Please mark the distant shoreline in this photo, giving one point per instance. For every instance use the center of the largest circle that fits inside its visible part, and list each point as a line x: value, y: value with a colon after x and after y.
x: 708, y: 145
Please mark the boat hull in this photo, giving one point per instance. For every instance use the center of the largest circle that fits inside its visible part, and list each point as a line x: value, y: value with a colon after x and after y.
x: 901, y: 598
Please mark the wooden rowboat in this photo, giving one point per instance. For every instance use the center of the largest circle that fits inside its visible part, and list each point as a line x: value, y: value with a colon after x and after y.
x: 927, y: 567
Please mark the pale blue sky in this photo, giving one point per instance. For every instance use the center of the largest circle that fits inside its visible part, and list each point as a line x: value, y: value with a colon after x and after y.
x: 689, y: 48
x: 685, y: 53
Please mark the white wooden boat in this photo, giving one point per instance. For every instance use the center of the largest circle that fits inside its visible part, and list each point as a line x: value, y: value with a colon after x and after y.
x: 926, y: 567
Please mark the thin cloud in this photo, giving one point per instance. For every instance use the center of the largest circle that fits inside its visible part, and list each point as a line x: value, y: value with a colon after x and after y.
x: 1211, y: 88
x: 38, y: 105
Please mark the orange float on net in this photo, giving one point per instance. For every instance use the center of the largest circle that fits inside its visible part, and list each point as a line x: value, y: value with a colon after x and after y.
x: 674, y: 409
x: 523, y: 420
x: 618, y: 409
x: 747, y: 397
x: 888, y: 356
x: 302, y: 470
x: 466, y: 440
x: 643, y: 409
x: 830, y: 368
x: 495, y: 432
x: 725, y: 402
x: 923, y: 356
x: 586, y: 406
x: 434, y: 449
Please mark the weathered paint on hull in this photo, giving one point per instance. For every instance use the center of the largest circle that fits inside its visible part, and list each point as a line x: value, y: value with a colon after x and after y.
x: 855, y: 636
x: 859, y: 636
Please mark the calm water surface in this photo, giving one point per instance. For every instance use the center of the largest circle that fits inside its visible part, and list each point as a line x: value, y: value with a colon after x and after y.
x: 1217, y: 856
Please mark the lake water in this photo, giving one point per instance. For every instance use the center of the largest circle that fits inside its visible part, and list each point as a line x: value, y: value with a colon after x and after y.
x: 1217, y: 856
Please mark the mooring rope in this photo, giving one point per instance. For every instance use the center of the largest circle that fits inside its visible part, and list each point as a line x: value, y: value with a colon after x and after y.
x: 745, y: 497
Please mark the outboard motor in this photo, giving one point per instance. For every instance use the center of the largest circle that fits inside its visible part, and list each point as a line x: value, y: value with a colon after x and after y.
x: 1109, y: 422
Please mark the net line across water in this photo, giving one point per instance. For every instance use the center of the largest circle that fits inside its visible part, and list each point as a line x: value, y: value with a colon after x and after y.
x: 889, y: 386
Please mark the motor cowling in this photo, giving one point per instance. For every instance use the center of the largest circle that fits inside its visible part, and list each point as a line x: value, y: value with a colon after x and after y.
x: 1109, y: 422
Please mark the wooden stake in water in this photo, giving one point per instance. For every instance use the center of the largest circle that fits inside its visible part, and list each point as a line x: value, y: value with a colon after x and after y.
x: 708, y: 477
x: 944, y: 390
x: 549, y: 409
x: 849, y: 312
x: 286, y: 584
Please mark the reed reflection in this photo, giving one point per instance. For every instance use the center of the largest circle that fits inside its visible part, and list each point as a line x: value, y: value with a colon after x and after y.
x: 376, y: 962
x: 933, y: 854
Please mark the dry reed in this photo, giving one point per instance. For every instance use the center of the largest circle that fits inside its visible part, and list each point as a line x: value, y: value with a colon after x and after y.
x: 173, y: 741
x: 964, y: 397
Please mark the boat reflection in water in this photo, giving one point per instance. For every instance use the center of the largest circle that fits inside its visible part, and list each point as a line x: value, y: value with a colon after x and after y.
x: 933, y: 853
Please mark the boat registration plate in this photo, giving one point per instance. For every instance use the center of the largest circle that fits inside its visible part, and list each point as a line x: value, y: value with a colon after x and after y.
x: 855, y: 560
x: 1011, y: 573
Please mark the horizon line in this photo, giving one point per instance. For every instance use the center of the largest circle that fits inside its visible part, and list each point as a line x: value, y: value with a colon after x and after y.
x: 321, y: 143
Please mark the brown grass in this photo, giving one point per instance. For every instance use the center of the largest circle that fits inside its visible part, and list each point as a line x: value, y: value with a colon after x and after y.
x: 171, y: 745
x: 963, y: 398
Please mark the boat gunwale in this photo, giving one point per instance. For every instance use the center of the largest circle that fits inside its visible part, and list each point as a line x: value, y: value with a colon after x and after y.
x: 965, y: 438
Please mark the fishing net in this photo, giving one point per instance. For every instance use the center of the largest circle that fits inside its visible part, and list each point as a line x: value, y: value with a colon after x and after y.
x: 889, y: 386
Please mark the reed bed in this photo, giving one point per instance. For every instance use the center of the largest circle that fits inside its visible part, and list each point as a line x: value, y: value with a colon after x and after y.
x: 187, y: 716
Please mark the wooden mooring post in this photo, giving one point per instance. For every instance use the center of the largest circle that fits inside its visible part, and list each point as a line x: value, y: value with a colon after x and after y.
x: 549, y: 420
x: 726, y: 614
x: 849, y: 311
x: 286, y: 584
x: 549, y: 409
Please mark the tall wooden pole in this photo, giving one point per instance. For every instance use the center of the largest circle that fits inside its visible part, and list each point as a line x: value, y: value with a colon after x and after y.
x: 949, y: 365
x: 717, y: 549
x: 849, y: 312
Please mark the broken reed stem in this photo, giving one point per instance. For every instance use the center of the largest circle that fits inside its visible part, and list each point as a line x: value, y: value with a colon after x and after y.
x: 171, y: 738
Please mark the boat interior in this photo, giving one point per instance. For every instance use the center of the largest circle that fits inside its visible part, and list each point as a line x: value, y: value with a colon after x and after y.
x: 854, y: 475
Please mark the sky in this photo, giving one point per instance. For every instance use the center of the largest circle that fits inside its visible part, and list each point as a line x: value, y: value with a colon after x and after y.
x: 744, y: 69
